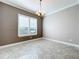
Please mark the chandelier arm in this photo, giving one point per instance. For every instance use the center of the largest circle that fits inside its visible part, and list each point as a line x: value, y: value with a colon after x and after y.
x: 40, y: 12
x: 40, y: 5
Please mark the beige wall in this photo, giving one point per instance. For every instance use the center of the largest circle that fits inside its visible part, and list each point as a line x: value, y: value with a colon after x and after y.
x: 63, y: 25
x: 9, y: 24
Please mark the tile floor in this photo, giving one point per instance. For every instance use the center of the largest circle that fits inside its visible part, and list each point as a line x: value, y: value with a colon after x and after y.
x: 39, y: 49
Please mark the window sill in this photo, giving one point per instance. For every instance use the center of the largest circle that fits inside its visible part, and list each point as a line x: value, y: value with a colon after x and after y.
x: 26, y: 35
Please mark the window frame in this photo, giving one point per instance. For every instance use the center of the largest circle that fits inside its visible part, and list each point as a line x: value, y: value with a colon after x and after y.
x: 29, y: 34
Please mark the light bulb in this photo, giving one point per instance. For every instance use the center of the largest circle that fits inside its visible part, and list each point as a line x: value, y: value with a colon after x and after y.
x: 40, y: 13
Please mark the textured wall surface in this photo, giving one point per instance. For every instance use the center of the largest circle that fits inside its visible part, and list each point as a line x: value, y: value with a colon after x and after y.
x: 9, y: 24
x: 63, y: 25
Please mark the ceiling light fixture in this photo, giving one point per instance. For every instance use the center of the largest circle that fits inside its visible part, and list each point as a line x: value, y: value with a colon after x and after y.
x: 40, y: 12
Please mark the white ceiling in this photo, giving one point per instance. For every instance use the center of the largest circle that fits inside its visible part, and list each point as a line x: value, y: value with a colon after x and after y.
x: 49, y: 6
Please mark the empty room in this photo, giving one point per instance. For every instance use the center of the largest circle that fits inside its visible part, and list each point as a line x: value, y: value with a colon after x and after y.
x: 39, y: 29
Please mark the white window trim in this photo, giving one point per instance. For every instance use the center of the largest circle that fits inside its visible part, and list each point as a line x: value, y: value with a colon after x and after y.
x: 28, y: 27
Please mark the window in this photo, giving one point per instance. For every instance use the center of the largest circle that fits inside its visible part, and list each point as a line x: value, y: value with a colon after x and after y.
x: 26, y: 25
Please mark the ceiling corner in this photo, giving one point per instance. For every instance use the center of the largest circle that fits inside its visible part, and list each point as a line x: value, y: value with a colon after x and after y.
x: 63, y: 8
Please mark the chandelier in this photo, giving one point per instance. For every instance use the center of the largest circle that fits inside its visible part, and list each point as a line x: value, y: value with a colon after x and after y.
x: 40, y: 12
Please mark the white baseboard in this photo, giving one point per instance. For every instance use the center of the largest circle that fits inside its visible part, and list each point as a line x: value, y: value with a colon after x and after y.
x: 61, y: 42
x: 65, y: 43
x: 13, y: 44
